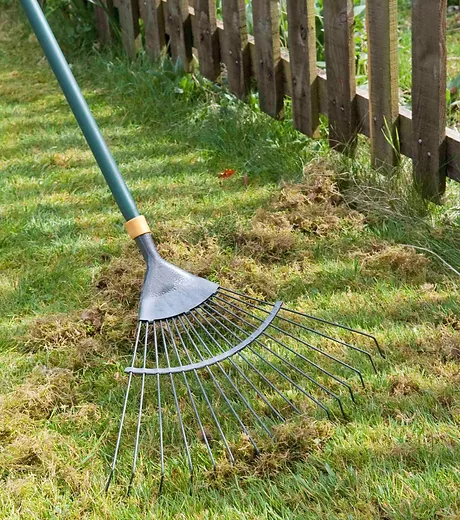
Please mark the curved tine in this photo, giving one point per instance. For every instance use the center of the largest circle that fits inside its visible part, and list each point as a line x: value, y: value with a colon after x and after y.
x: 160, y: 417
x: 245, y: 377
x: 192, y: 399
x: 339, y: 325
x: 298, y: 370
x: 335, y: 340
x: 229, y: 379
x: 308, y: 316
x: 283, y: 375
x: 221, y: 391
x: 267, y: 381
x: 211, y: 409
x: 123, y: 413
x: 304, y: 358
x: 139, y: 418
x: 176, y: 401
x: 311, y: 317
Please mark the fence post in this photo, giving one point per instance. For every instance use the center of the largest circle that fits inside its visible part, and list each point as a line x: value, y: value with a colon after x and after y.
x: 268, y: 57
x: 180, y: 32
x: 340, y: 70
x: 236, y: 52
x: 429, y: 96
x: 206, y: 38
x: 382, y: 30
x: 151, y: 12
x: 302, y: 52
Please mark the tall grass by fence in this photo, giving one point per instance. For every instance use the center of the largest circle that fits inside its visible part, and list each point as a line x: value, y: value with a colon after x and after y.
x: 281, y: 55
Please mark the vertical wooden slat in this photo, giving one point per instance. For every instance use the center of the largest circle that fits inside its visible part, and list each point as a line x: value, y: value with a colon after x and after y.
x: 128, y: 36
x: 206, y: 39
x: 136, y: 16
x: 180, y: 32
x: 340, y: 70
x: 302, y: 52
x: 102, y: 15
x: 382, y: 30
x: 151, y: 12
x: 429, y: 95
x: 236, y: 53
x: 268, y: 64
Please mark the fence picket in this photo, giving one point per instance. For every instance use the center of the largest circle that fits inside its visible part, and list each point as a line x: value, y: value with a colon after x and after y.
x: 180, y: 32
x: 382, y: 30
x: 302, y: 52
x: 340, y: 69
x: 102, y: 15
x: 429, y: 95
x: 236, y: 51
x: 206, y: 39
x: 151, y: 12
x: 128, y: 29
x: 268, y: 58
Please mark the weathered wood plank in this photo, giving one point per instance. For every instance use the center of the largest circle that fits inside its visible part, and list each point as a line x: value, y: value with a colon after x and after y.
x: 429, y: 95
x: 136, y: 16
x: 340, y: 69
x: 180, y: 32
x: 268, y: 59
x: 304, y: 74
x: 206, y: 39
x: 102, y: 15
x: 151, y: 12
x: 382, y: 32
x: 128, y: 32
x: 235, y: 51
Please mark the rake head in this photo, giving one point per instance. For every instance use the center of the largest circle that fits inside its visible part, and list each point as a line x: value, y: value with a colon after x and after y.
x: 225, y: 363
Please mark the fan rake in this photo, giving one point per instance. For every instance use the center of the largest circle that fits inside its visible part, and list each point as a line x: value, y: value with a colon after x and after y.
x: 239, y: 364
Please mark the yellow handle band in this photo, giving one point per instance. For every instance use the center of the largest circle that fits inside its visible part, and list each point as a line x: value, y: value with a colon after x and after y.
x: 137, y: 226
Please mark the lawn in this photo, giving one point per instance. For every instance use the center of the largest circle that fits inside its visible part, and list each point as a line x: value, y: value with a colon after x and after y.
x: 295, y: 222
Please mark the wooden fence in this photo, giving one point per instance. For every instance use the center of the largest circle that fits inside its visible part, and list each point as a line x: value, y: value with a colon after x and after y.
x: 184, y: 29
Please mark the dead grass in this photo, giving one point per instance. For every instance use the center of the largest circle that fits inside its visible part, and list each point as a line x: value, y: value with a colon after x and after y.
x: 44, y: 391
x: 294, y: 442
x: 403, y: 385
x: 403, y: 262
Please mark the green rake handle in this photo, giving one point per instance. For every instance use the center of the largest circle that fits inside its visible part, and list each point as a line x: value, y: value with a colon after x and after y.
x: 80, y: 109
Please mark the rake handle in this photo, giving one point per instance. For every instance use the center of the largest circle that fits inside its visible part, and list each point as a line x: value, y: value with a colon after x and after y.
x: 80, y: 109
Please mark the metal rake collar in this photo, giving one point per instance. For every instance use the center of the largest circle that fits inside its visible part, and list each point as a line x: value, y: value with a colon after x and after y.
x: 168, y: 290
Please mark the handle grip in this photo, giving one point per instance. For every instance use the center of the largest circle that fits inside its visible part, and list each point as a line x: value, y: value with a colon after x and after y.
x: 80, y: 109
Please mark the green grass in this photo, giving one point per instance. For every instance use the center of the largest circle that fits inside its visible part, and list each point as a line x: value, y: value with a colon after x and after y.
x: 65, y: 266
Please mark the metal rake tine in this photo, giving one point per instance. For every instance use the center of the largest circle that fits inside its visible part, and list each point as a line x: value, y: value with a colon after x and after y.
x: 267, y: 381
x: 309, y: 345
x: 221, y: 391
x: 352, y: 347
x: 160, y: 416
x: 298, y: 354
x: 311, y: 317
x: 211, y: 409
x: 197, y: 415
x: 304, y: 374
x: 139, y: 418
x: 176, y: 401
x: 243, y: 375
x: 229, y: 379
x: 282, y: 374
x: 123, y: 413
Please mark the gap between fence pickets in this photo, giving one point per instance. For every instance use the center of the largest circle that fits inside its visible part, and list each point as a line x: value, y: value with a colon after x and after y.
x: 404, y: 124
